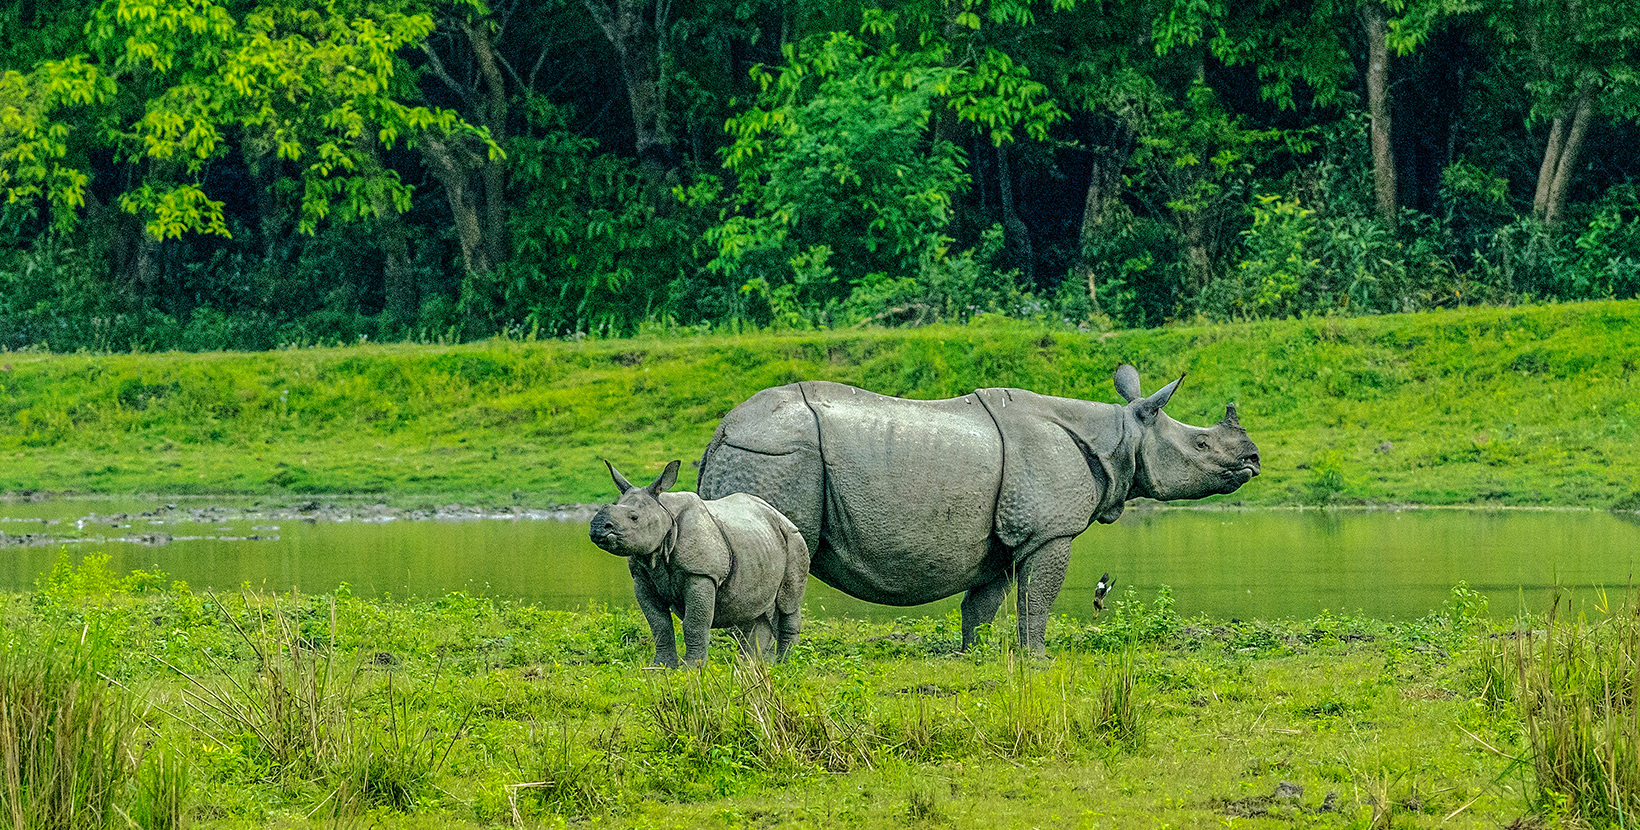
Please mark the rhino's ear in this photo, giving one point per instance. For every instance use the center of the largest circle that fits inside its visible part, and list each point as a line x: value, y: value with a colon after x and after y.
x: 620, y: 480
x: 1158, y: 399
x: 1127, y: 383
x: 669, y: 477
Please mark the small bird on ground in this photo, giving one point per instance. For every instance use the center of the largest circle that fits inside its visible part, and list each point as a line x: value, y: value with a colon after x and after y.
x: 1099, y: 592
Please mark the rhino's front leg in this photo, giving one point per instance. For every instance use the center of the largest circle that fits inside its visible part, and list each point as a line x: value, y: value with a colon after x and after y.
x: 659, y: 616
x: 979, y: 606
x: 699, y: 606
x: 1041, y: 572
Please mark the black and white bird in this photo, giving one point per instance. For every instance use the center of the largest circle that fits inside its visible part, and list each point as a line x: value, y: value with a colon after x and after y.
x: 1099, y: 592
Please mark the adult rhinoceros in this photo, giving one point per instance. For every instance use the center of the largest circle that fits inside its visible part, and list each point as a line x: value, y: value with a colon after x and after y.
x: 904, y: 502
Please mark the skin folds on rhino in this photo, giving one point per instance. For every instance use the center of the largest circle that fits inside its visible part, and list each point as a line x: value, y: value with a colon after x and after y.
x: 904, y: 502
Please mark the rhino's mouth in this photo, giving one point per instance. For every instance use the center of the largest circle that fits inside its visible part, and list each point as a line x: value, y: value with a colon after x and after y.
x: 1241, y: 475
x: 607, y: 538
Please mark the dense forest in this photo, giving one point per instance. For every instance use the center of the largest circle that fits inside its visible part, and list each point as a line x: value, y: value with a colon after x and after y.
x: 210, y: 174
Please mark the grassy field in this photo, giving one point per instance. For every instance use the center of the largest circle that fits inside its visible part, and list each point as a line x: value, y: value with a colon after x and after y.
x: 140, y: 698
x: 1521, y: 406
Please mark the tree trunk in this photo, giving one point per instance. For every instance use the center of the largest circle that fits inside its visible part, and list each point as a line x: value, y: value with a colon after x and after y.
x: 1016, y: 233
x: 1378, y: 104
x: 1104, y: 183
x: 1565, y: 145
x: 263, y: 167
x: 451, y: 167
x: 494, y: 116
x: 400, y: 300
x: 1546, y: 170
x: 637, y: 49
x: 1198, y: 255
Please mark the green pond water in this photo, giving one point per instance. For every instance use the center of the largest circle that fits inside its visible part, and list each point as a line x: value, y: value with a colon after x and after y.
x: 1221, y: 562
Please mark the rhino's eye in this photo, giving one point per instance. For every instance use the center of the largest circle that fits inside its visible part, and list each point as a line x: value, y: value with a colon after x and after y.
x: 633, y: 515
x: 1201, y: 443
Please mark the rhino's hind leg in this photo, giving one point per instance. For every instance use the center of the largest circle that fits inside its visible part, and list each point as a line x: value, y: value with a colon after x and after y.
x: 787, y: 628
x: 1041, y: 573
x: 979, y: 606
x: 756, y: 638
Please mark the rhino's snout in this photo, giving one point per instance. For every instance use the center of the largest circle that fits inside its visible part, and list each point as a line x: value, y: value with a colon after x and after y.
x: 603, y: 532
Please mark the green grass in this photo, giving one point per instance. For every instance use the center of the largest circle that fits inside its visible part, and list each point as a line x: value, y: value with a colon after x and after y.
x: 1520, y: 406
x: 468, y: 712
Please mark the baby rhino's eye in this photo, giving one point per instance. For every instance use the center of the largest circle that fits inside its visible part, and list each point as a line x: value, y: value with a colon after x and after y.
x: 633, y: 515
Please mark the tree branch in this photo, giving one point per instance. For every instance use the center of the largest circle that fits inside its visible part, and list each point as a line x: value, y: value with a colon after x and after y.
x: 440, y: 72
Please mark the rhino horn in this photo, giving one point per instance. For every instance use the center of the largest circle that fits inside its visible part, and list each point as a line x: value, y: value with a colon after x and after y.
x: 668, y: 477
x: 1127, y: 383
x: 620, y: 480
x: 1230, y: 419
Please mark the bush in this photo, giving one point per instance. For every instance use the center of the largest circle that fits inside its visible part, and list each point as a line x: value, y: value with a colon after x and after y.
x: 591, y: 252
x: 837, y: 148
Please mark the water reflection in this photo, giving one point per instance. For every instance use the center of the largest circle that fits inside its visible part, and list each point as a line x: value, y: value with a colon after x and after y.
x: 1224, y: 563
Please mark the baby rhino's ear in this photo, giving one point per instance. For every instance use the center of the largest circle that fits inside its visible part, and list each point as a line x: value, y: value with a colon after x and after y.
x: 620, y: 480
x: 669, y: 477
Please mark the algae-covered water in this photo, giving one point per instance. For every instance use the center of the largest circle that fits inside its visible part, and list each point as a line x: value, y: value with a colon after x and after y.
x: 1222, y: 562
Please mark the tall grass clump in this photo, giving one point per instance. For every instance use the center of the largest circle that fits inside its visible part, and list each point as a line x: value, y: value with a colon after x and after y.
x: 69, y: 755
x: 743, y: 716
x: 1056, y: 711
x: 1577, y: 689
x: 293, y: 709
x: 305, y: 711
x: 568, y: 776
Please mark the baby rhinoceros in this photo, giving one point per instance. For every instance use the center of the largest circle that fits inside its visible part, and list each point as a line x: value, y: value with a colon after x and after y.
x: 733, y: 562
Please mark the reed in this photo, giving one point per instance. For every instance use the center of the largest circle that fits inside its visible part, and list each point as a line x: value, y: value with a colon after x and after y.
x: 305, y: 711
x: 70, y: 758
x: 741, y: 712
x: 1576, y: 688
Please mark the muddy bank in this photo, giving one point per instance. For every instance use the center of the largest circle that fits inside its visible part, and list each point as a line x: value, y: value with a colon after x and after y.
x: 175, y: 522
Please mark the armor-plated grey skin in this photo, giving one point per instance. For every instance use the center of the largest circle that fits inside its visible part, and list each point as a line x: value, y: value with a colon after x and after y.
x: 904, y: 502
x: 733, y: 562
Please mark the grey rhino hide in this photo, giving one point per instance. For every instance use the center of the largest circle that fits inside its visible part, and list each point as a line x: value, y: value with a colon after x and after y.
x: 904, y: 502
x: 733, y: 562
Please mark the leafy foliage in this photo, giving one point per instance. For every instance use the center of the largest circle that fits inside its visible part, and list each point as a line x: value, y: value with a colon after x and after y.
x: 197, y: 174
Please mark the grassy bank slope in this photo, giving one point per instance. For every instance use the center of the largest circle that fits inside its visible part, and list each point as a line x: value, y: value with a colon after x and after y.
x: 1510, y: 406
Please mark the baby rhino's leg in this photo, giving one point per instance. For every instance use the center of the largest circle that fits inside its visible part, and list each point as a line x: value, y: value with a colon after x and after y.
x: 788, y: 627
x: 756, y: 638
x: 788, y: 606
x: 659, y: 617
x: 699, y: 605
